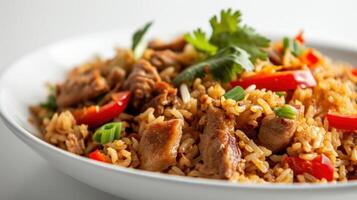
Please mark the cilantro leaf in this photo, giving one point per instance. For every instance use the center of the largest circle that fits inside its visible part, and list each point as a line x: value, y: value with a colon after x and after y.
x: 200, y: 42
x: 224, y: 66
x: 227, y: 30
x: 138, y: 35
x: 228, y: 24
x: 246, y: 38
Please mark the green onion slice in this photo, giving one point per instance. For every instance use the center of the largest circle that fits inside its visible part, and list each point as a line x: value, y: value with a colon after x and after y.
x: 286, y: 111
x: 237, y: 93
x: 108, y: 132
x: 281, y: 94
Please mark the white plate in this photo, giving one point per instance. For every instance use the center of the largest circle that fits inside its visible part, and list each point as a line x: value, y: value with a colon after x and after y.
x: 23, y: 85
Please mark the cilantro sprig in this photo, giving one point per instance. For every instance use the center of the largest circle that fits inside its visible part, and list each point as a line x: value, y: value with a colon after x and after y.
x: 224, y: 66
x: 228, y: 51
x: 227, y: 30
x: 200, y: 42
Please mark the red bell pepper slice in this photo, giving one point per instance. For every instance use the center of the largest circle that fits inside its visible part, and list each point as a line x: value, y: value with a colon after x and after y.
x: 279, y: 81
x: 95, y: 116
x: 99, y: 156
x: 354, y: 72
x: 344, y: 122
x: 320, y: 167
x: 300, y: 37
x: 310, y: 58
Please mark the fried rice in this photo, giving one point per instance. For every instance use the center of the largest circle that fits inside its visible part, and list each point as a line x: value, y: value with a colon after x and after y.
x: 156, y: 101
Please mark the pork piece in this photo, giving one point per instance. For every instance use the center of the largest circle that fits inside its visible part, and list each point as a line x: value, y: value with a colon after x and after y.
x: 177, y: 44
x: 141, y: 82
x: 276, y: 133
x: 80, y: 88
x: 159, y: 143
x: 115, y: 79
x: 167, y: 58
x: 274, y: 57
x: 165, y: 96
x: 218, y: 146
x: 116, y: 76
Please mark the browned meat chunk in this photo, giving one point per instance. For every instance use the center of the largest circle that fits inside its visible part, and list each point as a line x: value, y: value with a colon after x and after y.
x: 166, y: 95
x: 116, y: 77
x: 168, y: 58
x: 176, y: 45
x: 141, y: 82
x: 80, y: 88
x: 276, y: 132
x: 274, y: 57
x: 158, y: 145
x: 218, y: 146
x: 124, y: 59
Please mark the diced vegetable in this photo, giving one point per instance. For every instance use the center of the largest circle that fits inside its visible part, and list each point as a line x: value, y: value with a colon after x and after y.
x: 354, y: 71
x: 237, y: 93
x: 108, y: 133
x: 95, y: 116
x: 279, y: 81
x: 293, y: 46
x: 281, y: 93
x: 344, y: 122
x: 99, y: 156
x: 320, y: 167
x: 300, y: 37
x: 286, y: 111
x: 310, y: 58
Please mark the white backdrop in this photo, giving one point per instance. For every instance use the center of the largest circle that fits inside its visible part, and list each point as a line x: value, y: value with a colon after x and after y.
x: 26, y: 25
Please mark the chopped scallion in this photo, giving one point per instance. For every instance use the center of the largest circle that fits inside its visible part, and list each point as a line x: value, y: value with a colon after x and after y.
x: 237, y: 93
x: 281, y: 94
x: 293, y: 46
x: 108, y: 133
x: 286, y: 111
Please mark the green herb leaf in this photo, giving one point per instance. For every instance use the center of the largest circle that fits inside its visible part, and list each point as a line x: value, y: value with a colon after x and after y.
x: 228, y: 23
x: 226, y: 31
x: 108, y: 133
x: 51, y: 103
x: 286, y: 111
x: 281, y: 94
x: 293, y: 46
x: 224, y: 66
x: 237, y: 94
x: 245, y: 38
x: 200, y: 42
x: 139, y: 34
